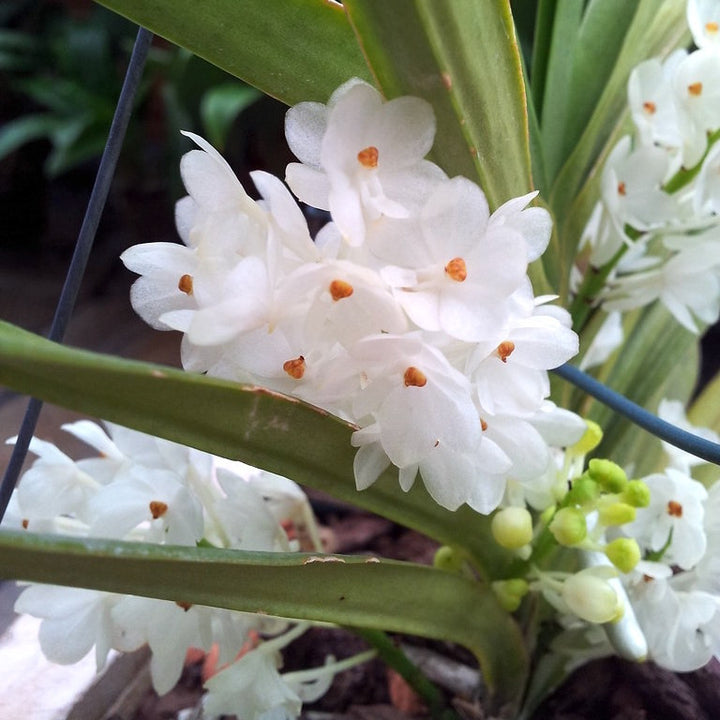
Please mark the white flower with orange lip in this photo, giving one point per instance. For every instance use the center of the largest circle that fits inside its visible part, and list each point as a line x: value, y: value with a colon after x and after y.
x: 362, y: 158
x: 653, y: 106
x: 675, y: 514
x: 416, y: 411
x: 464, y: 267
x: 681, y: 624
x: 703, y: 17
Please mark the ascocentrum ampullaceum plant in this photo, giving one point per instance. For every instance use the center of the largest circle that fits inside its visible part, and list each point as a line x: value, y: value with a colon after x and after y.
x: 400, y: 358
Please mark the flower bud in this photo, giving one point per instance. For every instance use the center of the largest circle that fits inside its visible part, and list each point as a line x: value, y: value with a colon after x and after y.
x: 512, y: 527
x: 611, y: 476
x: 569, y: 526
x: 636, y: 493
x: 510, y: 592
x: 584, y: 491
x: 589, y: 441
x: 448, y: 558
x: 591, y: 597
x: 616, y: 513
x: 623, y: 553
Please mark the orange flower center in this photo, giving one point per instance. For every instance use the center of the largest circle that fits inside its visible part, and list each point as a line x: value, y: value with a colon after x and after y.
x: 295, y: 368
x: 158, y: 509
x: 340, y: 289
x: 505, y: 349
x: 674, y: 508
x: 414, y: 377
x: 456, y: 269
x: 368, y: 157
x: 649, y: 107
x: 185, y: 284
x: 695, y: 89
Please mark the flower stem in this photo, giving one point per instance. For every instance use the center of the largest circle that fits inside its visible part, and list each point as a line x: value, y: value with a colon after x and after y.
x: 391, y: 654
x: 592, y: 284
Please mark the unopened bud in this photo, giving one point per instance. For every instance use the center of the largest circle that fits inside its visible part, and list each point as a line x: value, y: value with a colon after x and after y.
x: 569, y: 526
x: 616, y: 513
x: 610, y: 475
x: 448, y: 558
x: 589, y: 441
x: 512, y: 527
x: 592, y: 598
x: 584, y: 491
x: 623, y: 553
x: 510, y: 592
x: 637, y: 494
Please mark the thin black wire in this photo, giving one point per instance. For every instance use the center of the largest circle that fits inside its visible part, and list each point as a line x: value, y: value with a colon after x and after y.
x: 84, y: 244
x: 700, y: 447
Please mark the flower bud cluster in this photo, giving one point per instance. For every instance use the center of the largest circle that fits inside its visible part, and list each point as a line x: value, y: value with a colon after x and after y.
x: 143, y: 489
x: 656, y: 223
x: 410, y: 314
x: 662, y: 533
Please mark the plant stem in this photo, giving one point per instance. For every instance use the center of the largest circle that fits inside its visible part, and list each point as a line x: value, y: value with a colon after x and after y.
x: 391, y: 654
x: 592, y: 284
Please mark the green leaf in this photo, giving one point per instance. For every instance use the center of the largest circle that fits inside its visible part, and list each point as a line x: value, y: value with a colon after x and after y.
x: 705, y: 413
x: 219, y: 108
x: 600, y: 38
x: 258, y: 426
x: 555, y: 101
x: 293, y: 50
x: 542, y: 40
x: 645, y: 373
x: 17, y: 133
x: 354, y: 591
x: 462, y: 57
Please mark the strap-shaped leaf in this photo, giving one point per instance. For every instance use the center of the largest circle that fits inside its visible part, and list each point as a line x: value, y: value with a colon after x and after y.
x: 656, y: 29
x: 645, y: 373
x: 556, y: 97
x: 463, y: 57
x: 349, y: 590
x: 260, y: 427
x: 293, y: 50
x: 705, y: 412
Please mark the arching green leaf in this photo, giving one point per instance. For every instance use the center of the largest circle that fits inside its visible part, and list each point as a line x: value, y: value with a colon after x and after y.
x: 351, y: 590
x: 293, y: 50
x: 260, y: 427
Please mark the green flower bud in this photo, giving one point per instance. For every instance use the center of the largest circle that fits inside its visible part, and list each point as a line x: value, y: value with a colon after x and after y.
x: 448, y: 558
x: 623, y: 553
x: 612, y: 477
x: 592, y: 598
x: 616, y: 513
x: 510, y: 592
x: 637, y: 494
x: 584, y: 491
x: 589, y: 441
x: 512, y: 527
x: 569, y: 526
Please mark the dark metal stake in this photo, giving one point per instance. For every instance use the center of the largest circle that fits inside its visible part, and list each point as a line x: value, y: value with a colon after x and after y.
x: 84, y: 244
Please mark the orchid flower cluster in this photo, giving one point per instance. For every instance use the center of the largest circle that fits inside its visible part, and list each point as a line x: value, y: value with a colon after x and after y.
x: 662, y: 533
x: 143, y: 489
x: 645, y: 557
x: 654, y: 230
x: 411, y: 315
